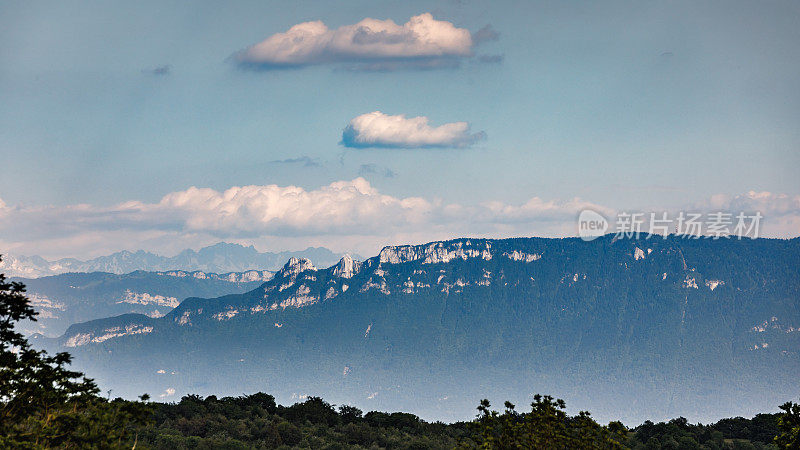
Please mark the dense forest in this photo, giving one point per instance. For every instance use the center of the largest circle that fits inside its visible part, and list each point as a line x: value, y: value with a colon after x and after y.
x: 43, y: 404
x: 255, y: 421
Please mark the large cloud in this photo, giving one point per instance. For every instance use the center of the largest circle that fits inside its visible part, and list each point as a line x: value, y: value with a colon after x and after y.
x: 377, y: 129
x: 339, y: 208
x: 344, y: 215
x: 422, y: 42
x: 342, y: 207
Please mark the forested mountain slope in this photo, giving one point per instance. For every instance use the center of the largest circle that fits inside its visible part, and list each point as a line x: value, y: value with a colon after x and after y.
x: 627, y: 328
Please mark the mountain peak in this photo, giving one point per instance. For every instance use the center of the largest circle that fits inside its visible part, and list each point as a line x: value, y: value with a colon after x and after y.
x: 219, y: 258
x: 296, y: 265
x: 346, y: 267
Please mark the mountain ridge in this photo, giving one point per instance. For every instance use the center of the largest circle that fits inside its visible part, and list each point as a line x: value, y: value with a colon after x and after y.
x: 68, y: 298
x: 615, y: 325
x: 218, y: 258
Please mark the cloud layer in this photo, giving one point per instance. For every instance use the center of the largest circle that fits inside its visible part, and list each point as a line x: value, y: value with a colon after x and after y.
x: 342, y: 207
x: 421, y: 42
x: 377, y: 129
x: 781, y: 211
x: 344, y: 215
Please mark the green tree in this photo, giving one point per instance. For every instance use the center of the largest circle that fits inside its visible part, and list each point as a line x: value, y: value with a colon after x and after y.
x: 789, y: 426
x: 42, y: 403
x: 349, y: 413
x: 546, y: 426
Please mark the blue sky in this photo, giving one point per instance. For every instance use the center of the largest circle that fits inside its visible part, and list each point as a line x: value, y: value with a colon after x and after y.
x: 619, y: 104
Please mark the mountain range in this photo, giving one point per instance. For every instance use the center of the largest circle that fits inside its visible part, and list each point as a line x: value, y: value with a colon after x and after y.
x: 627, y: 328
x: 218, y: 258
x: 65, y: 299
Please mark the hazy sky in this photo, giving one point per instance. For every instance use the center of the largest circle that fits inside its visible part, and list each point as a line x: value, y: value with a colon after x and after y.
x: 495, y: 118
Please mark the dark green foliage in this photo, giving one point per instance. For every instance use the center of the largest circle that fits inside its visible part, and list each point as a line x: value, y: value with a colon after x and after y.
x: 789, y: 426
x: 761, y: 428
x: 349, y: 413
x: 546, y: 426
x: 733, y: 433
x: 255, y: 422
x: 314, y: 410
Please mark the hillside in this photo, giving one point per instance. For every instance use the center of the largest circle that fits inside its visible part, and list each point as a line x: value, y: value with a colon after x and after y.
x: 630, y: 329
x: 62, y: 300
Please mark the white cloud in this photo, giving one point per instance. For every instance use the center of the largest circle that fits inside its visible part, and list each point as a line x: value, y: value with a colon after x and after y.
x: 377, y: 129
x: 341, y: 207
x: 781, y: 211
x: 169, y: 392
x: 421, y: 39
x: 344, y: 216
x: 766, y: 202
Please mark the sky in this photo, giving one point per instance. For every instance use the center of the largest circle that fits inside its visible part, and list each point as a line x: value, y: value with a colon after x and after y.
x: 356, y: 124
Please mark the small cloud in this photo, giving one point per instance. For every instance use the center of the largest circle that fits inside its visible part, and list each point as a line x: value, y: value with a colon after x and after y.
x: 377, y: 129
x: 158, y: 70
x: 491, y: 59
x: 306, y: 161
x: 371, y: 169
x: 371, y: 44
x: 485, y: 34
x: 168, y: 393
